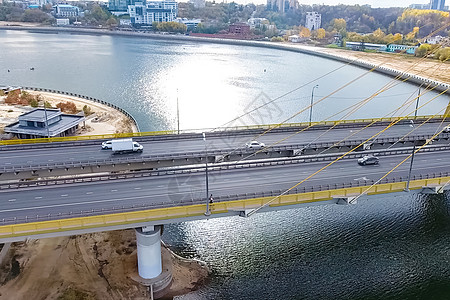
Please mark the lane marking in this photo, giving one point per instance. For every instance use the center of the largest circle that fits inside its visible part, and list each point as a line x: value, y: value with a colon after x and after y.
x: 89, y: 193
x: 37, y: 197
x: 113, y: 190
x: 64, y: 195
x: 12, y: 200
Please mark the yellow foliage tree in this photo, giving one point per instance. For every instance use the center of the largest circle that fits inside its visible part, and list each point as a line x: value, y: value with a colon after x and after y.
x: 413, y: 34
x: 304, y: 32
x: 321, y: 33
x: 398, y: 37
x: 340, y: 25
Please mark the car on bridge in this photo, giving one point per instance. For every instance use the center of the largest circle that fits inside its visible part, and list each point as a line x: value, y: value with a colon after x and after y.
x: 107, y: 145
x: 255, y: 145
x: 368, y: 160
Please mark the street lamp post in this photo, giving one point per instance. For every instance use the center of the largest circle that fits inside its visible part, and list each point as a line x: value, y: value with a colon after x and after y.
x: 414, y: 146
x: 178, y: 115
x: 46, y: 121
x: 312, y: 101
x: 208, y: 212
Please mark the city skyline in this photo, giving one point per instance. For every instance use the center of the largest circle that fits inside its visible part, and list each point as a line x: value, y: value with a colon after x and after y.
x: 373, y: 3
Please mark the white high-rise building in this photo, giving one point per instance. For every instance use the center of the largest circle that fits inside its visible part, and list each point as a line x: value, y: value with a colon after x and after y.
x: 313, y: 20
x: 153, y: 11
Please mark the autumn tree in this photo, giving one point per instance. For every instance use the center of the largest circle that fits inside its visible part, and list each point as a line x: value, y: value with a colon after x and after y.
x: 321, y: 33
x: 423, y: 50
x: 339, y: 25
x: 68, y: 107
x: 13, y: 97
x: 443, y: 54
x: 413, y: 34
x: 304, y: 32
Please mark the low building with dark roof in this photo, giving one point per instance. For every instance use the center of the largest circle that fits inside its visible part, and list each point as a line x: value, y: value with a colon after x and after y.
x: 41, y: 122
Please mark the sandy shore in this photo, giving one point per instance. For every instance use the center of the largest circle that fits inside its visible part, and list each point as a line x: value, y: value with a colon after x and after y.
x: 430, y: 68
x: 91, y: 266
x: 104, y: 120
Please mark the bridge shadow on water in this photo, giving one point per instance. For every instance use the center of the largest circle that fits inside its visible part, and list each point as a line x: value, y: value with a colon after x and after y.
x: 386, y: 247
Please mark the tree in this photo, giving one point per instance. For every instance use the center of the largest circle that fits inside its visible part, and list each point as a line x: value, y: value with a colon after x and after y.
x: 412, y: 35
x: 34, y: 103
x: 340, y: 25
x: 304, y: 32
x: 112, y: 22
x: 423, y: 50
x: 443, y: 54
x: 321, y: 33
x: 398, y: 38
x: 378, y: 36
x: 87, y: 110
x: 35, y: 15
x: 277, y: 39
x: 13, y: 97
x: 67, y: 106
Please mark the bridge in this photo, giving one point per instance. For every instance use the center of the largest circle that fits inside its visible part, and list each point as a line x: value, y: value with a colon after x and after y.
x: 70, y: 186
x: 24, y: 159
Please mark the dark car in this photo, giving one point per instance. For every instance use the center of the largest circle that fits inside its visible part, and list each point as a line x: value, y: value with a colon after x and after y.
x: 368, y: 160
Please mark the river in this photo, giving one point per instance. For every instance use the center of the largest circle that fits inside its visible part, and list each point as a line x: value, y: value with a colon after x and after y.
x: 385, y: 247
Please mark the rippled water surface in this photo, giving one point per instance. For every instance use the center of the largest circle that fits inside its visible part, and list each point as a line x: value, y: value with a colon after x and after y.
x: 385, y: 247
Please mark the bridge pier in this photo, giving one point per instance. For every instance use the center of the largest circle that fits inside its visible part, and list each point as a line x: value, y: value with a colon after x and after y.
x: 154, y: 271
x: 344, y: 200
x: 433, y: 190
x: 148, y: 240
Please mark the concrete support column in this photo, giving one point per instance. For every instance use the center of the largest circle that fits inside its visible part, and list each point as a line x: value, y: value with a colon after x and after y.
x: 148, y: 241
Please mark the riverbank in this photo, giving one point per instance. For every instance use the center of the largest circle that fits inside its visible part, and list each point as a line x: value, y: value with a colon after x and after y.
x: 90, y: 266
x: 391, y: 64
x: 103, y: 120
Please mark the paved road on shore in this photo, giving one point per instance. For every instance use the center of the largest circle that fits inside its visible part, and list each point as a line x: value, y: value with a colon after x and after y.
x: 170, y: 190
x: 86, y: 153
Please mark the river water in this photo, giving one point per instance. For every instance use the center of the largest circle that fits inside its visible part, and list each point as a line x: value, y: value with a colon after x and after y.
x: 385, y: 247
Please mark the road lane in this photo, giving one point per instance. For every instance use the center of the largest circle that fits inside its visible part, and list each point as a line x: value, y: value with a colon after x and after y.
x: 172, y: 189
x: 94, y: 153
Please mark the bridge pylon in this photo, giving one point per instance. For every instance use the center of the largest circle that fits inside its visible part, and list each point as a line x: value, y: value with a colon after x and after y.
x: 447, y: 111
x: 148, y: 240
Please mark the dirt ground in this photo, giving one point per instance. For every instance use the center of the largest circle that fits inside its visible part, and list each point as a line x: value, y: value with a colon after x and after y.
x: 90, y: 266
x: 429, y: 68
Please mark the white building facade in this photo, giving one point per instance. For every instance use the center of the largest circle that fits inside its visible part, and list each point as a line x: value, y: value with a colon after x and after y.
x: 65, y: 10
x: 313, y: 20
x: 62, y: 22
x: 153, y: 11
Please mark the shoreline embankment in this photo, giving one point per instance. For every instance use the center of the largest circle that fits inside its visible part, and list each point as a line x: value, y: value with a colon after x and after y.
x: 311, y: 50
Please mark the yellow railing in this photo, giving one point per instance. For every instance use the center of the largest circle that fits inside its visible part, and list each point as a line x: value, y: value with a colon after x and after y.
x: 81, y: 223
x: 166, y: 132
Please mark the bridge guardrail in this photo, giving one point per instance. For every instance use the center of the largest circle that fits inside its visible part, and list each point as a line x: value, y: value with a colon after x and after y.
x: 217, y: 200
x: 211, y: 168
x: 200, y: 154
x: 212, y: 131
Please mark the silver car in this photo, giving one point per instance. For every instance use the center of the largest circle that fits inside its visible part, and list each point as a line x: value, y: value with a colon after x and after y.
x: 368, y: 160
x: 255, y: 145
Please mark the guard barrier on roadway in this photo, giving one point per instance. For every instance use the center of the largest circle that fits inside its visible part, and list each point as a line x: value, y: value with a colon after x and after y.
x: 131, y: 217
x: 236, y: 128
